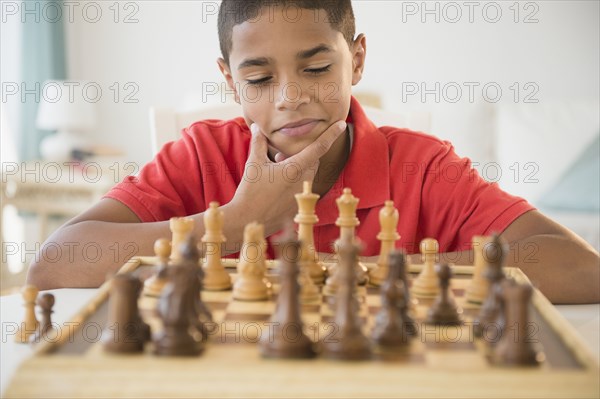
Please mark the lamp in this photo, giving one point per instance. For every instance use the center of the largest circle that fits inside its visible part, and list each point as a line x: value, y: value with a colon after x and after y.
x: 64, y: 108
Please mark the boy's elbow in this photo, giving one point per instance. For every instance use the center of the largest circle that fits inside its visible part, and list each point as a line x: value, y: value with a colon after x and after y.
x: 39, y: 274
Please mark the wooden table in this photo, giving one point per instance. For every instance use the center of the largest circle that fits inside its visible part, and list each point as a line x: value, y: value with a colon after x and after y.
x: 583, y: 318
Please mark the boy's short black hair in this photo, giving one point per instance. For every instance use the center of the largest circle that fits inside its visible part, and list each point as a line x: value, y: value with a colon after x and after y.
x: 338, y: 13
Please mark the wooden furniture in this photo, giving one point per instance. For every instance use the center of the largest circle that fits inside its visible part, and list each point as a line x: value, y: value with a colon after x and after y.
x: 62, y: 189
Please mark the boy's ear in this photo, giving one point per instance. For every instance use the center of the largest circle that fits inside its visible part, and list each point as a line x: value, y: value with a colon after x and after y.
x: 224, y: 68
x: 359, y: 53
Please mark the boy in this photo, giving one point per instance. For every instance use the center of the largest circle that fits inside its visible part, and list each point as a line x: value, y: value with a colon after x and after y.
x: 292, y: 66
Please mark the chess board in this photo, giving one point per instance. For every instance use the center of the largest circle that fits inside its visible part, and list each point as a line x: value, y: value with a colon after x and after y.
x: 441, y: 361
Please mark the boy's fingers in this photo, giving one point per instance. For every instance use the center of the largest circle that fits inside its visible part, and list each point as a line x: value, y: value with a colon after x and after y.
x: 315, y: 150
x: 258, y: 143
x: 279, y: 157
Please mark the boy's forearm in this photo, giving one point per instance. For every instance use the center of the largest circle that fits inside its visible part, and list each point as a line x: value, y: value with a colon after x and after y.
x: 562, y: 269
x: 82, y: 255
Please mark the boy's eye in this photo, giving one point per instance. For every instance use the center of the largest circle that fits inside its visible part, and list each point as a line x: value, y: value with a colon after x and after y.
x: 316, y: 71
x: 258, y: 82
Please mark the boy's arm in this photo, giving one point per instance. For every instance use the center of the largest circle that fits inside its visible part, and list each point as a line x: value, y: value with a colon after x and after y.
x: 564, y: 267
x: 83, y: 251
x: 560, y: 263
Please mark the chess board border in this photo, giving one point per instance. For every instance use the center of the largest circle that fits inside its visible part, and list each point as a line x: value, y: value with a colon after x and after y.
x: 583, y: 383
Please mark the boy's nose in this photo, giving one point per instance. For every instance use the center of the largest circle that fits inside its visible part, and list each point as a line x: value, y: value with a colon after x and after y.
x: 291, y: 96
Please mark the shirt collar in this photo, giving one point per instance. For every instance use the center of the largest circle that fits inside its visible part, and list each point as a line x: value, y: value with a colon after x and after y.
x: 366, y: 172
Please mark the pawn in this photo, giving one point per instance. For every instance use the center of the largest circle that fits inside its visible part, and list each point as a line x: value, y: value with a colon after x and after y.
x: 46, y: 302
x: 181, y: 228
x: 155, y: 284
x: 277, y: 342
x: 444, y: 310
x: 389, y: 330
x: 251, y: 284
x: 349, y: 342
x: 399, y: 259
x: 490, y: 314
x: 516, y: 349
x: 30, y: 324
x: 478, y: 288
x: 309, y: 292
x: 427, y: 284
x: 126, y: 332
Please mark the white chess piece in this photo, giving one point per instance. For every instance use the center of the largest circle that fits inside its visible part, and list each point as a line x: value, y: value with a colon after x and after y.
x: 427, y: 284
x: 251, y: 284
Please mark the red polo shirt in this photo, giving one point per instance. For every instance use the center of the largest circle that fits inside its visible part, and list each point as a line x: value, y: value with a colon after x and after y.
x: 437, y: 193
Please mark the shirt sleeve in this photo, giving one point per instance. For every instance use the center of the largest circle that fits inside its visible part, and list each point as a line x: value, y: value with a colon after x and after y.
x: 170, y: 185
x: 459, y: 204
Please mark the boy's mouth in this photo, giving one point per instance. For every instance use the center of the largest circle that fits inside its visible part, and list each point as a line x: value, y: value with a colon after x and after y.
x: 298, y: 128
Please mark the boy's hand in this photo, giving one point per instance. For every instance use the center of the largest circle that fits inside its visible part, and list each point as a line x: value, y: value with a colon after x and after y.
x: 266, y: 192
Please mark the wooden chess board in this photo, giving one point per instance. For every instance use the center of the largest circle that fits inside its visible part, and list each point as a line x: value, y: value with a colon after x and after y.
x: 439, y: 362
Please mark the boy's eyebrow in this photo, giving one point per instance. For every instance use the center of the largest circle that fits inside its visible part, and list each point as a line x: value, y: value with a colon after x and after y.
x: 262, y: 61
x: 321, y: 48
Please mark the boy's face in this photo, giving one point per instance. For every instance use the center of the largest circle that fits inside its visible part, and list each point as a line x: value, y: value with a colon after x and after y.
x: 293, y: 74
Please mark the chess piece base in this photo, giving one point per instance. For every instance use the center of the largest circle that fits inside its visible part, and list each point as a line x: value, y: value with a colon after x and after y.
x: 425, y: 291
x: 348, y: 348
x: 124, y: 343
x: 378, y: 275
x: 216, y: 280
x: 177, y: 343
x: 154, y: 286
x: 316, y: 271
x: 280, y: 345
x: 476, y: 295
x: 502, y: 357
x: 443, y: 315
x: 255, y: 291
x: 24, y: 335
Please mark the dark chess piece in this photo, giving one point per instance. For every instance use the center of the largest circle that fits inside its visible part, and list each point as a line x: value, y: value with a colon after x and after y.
x: 389, y: 329
x: 126, y: 331
x: 200, y: 315
x: 348, y: 341
x: 516, y: 349
x: 177, y: 309
x: 399, y: 258
x: 286, y: 339
x: 444, y: 310
x: 46, y: 302
x: 490, y: 315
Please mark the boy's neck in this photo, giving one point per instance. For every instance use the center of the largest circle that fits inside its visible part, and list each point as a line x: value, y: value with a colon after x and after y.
x: 332, y: 164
